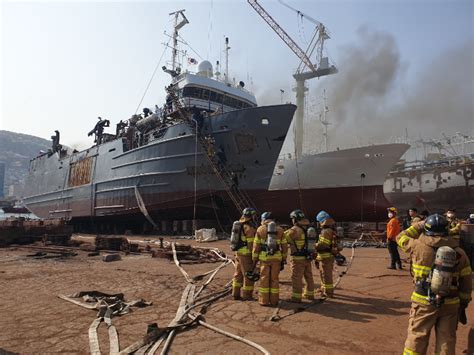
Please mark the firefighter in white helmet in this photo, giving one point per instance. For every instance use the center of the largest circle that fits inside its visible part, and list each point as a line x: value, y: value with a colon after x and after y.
x: 270, y: 250
x: 442, y: 276
x: 242, y: 237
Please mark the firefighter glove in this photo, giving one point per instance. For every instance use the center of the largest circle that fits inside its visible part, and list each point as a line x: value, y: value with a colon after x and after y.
x: 462, y: 318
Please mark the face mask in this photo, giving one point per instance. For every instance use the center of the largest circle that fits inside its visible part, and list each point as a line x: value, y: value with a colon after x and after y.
x: 390, y: 215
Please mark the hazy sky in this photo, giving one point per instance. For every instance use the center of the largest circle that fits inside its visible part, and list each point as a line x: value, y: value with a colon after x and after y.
x: 65, y: 63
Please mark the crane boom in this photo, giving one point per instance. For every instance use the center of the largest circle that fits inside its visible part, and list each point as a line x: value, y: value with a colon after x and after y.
x: 300, y: 13
x: 282, y: 34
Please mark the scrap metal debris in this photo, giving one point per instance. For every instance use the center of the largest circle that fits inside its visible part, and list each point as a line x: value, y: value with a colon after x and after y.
x: 110, y: 242
x: 188, y: 254
x: 23, y: 231
x: 51, y: 254
x: 111, y: 257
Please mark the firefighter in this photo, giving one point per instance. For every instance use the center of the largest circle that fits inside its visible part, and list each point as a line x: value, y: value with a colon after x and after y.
x: 442, y: 276
x: 393, y: 229
x: 301, y: 257
x: 242, y: 244
x: 270, y: 249
x: 454, y: 225
x: 326, y: 252
x: 414, y: 217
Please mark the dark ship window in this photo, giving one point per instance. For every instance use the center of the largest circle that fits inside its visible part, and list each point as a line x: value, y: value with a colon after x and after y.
x: 112, y: 150
x: 427, y: 181
x: 209, y: 95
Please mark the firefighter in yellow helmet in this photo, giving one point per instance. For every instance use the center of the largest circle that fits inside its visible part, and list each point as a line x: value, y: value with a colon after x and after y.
x: 301, y: 258
x: 242, y: 236
x: 443, y: 285
x: 270, y: 249
x: 326, y: 247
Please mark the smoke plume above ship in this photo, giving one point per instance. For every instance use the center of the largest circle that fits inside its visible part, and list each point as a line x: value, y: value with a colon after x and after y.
x: 373, y: 99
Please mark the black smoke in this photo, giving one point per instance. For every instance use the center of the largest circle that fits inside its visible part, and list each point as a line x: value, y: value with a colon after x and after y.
x: 371, y: 99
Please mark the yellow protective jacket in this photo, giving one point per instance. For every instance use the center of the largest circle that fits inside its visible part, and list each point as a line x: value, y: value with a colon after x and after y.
x: 247, y: 237
x: 423, y: 251
x: 260, y: 242
x: 295, y: 237
x: 325, y: 245
x: 454, y: 227
x: 415, y: 220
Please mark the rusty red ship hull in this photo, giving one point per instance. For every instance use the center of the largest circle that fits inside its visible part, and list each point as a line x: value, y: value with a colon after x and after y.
x: 345, y: 204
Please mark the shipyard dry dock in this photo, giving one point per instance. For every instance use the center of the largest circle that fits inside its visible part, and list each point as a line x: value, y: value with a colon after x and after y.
x: 368, y: 315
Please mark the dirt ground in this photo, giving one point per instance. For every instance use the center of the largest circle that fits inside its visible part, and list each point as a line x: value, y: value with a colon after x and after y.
x: 368, y: 315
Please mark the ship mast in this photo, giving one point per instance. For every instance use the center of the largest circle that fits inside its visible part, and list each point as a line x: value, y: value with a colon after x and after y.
x: 227, y: 60
x: 177, y: 27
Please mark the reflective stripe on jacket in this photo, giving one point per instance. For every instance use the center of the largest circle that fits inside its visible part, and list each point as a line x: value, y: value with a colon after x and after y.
x: 295, y: 237
x: 260, y: 243
x: 423, y: 252
x: 325, y: 244
x: 247, y: 237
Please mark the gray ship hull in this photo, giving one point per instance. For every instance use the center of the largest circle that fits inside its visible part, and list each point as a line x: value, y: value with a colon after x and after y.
x: 169, y: 174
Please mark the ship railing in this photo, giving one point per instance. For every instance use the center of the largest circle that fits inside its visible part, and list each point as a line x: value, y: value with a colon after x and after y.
x: 429, y: 164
